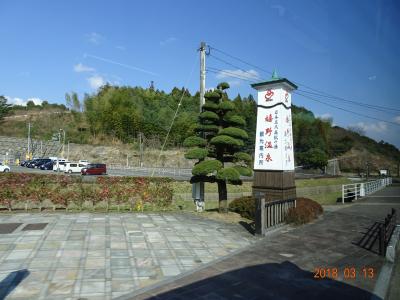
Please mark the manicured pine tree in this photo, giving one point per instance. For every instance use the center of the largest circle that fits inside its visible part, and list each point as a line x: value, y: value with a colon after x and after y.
x: 217, y: 145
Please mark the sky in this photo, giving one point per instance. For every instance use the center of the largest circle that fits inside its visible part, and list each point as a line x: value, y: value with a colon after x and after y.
x: 346, y: 49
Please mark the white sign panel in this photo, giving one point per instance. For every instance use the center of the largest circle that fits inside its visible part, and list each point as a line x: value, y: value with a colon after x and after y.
x: 274, y: 140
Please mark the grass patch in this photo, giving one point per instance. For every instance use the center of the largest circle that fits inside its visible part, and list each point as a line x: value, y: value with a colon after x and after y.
x: 325, y: 198
x: 180, y: 187
x: 321, y: 181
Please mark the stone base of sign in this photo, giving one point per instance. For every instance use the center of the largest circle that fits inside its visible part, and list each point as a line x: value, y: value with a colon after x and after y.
x: 274, y: 185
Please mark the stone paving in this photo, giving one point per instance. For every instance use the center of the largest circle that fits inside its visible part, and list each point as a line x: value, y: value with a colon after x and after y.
x: 103, y: 256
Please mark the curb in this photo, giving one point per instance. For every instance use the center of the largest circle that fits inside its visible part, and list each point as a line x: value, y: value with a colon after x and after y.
x: 383, y: 282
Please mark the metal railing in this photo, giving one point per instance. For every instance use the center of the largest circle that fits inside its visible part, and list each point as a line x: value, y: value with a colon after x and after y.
x: 355, y: 191
x: 272, y: 213
x: 386, y: 230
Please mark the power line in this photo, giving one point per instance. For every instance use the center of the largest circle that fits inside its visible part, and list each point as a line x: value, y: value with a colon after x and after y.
x: 174, y: 117
x: 230, y: 74
x: 346, y: 110
x: 232, y: 65
x: 370, y: 106
x: 318, y: 92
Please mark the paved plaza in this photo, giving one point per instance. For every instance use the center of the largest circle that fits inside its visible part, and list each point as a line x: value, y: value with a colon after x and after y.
x: 104, y: 256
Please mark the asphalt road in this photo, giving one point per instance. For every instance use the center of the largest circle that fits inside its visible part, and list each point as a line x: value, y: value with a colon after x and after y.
x: 177, y: 174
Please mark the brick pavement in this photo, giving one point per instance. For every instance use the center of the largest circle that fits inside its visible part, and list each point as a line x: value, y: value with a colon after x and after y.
x: 103, y: 256
x: 282, y: 265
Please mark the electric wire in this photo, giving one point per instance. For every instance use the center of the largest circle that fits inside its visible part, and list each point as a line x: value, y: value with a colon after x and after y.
x: 343, y: 109
x: 316, y: 91
x: 174, y: 117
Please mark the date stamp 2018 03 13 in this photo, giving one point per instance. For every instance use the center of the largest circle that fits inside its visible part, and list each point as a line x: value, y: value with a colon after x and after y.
x: 347, y: 273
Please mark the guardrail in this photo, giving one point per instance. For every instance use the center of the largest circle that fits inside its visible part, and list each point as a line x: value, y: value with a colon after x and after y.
x: 386, y: 230
x: 150, y: 170
x: 357, y: 190
x: 272, y: 213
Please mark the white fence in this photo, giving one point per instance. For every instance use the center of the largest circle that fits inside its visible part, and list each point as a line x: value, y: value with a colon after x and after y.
x: 358, y: 190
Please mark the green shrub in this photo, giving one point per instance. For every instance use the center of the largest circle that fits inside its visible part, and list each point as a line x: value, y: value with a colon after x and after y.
x: 234, y: 132
x: 228, y: 174
x: 206, y: 167
x: 305, y: 211
x: 242, y: 156
x: 244, y: 206
x: 226, y: 140
x: 194, y: 141
x: 196, y: 153
x: 209, y: 115
x: 236, y: 120
x: 226, y: 105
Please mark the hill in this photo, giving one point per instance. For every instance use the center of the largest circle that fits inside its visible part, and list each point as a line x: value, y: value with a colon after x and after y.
x: 142, y: 118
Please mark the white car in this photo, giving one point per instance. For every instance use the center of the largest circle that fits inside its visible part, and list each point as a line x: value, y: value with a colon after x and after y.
x: 73, y: 167
x: 4, y: 168
x: 59, y: 165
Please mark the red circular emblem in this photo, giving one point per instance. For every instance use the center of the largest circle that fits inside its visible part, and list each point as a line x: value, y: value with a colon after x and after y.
x: 268, y: 95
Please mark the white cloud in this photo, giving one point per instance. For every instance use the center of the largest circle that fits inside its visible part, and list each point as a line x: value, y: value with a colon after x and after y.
x: 168, y: 41
x: 372, y: 127
x: 239, y: 74
x: 122, y: 48
x: 20, y: 101
x: 371, y: 78
x: 82, y: 68
x: 95, y: 38
x: 397, y: 119
x: 96, y: 81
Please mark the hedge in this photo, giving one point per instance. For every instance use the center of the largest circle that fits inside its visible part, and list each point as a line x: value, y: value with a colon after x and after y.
x: 34, y: 191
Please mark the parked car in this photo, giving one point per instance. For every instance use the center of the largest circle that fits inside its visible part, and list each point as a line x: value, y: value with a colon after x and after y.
x: 94, y: 169
x: 84, y: 162
x: 59, y: 165
x: 47, y: 166
x: 4, y: 168
x: 42, y: 162
x: 73, y: 167
x: 31, y: 164
x: 24, y: 162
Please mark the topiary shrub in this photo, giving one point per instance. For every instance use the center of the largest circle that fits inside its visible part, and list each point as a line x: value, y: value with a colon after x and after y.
x: 305, y: 211
x: 234, y: 132
x: 206, y: 167
x: 196, y: 153
x: 244, y: 206
x: 226, y: 140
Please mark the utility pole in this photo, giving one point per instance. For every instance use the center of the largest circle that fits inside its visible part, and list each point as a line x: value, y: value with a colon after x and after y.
x: 199, y: 196
x: 68, y: 151
x: 140, y: 149
x: 29, y: 140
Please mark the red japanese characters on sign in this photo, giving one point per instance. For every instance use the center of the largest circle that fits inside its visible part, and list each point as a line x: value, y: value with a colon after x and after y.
x: 268, y: 118
x: 268, y: 158
x: 286, y: 97
x: 268, y: 144
x: 268, y: 131
x: 268, y: 95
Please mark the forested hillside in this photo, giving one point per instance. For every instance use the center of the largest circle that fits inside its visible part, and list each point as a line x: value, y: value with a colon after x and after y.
x: 121, y: 114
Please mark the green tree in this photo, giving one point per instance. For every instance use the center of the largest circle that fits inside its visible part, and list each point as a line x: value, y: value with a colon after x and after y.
x: 217, y: 145
x: 314, y: 158
x: 4, y: 107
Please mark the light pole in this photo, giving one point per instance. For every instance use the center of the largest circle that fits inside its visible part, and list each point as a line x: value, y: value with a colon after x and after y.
x: 63, y: 142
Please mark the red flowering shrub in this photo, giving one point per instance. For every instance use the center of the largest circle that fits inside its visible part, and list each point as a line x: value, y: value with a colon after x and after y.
x: 63, y: 190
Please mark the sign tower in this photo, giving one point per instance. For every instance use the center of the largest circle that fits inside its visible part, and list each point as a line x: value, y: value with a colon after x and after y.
x: 273, y: 156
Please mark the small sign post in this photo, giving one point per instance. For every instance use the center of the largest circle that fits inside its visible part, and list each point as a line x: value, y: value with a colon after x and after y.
x: 273, y: 155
